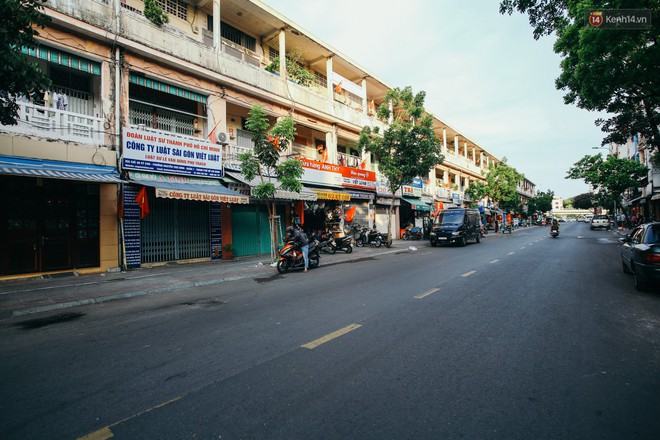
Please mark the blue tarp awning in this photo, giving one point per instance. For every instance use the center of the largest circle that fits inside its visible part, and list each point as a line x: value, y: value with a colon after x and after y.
x: 53, y: 169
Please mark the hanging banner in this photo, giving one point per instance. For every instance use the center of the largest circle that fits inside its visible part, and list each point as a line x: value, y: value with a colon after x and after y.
x: 316, y: 172
x: 158, y: 152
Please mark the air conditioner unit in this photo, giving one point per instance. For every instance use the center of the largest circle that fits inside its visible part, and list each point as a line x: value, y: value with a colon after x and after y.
x: 222, y: 137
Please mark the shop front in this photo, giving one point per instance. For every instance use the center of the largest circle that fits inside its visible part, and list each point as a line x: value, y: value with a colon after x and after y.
x: 57, y: 216
x: 174, y: 207
x: 345, y: 196
x: 250, y: 229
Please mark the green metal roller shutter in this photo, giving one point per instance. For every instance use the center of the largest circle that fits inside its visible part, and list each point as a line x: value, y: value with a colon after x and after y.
x: 250, y: 230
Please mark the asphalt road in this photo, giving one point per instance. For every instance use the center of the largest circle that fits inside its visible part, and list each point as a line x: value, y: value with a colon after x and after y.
x: 519, y: 337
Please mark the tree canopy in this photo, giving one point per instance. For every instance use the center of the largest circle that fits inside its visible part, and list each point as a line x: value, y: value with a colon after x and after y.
x: 609, y: 177
x: 18, y: 75
x: 584, y: 201
x: 541, y: 202
x: 502, y: 182
x: 615, y: 71
x: 408, y: 147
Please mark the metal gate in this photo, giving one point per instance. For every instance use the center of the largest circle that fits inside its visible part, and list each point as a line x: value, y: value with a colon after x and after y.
x: 175, y: 230
x: 250, y: 229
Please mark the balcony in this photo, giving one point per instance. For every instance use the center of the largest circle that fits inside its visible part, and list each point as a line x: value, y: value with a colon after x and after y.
x: 51, y: 123
x: 462, y: 162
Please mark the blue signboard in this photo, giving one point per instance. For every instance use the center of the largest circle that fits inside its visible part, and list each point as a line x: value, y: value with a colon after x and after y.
x: 132, y: 227
x: 216, y: 231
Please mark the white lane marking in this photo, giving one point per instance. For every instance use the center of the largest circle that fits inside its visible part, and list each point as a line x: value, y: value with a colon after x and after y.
x: 467, y: 274
x: 425, y: 294
x: 494, y: 261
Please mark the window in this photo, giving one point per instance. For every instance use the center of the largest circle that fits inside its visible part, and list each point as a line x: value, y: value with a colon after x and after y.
x: 237, y: 36
x: 178, y: 8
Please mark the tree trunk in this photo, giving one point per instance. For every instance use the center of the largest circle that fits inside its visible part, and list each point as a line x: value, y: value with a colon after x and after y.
x: 390, y: 210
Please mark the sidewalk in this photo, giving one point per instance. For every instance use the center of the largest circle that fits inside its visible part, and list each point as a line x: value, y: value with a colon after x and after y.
x: 27, y: 296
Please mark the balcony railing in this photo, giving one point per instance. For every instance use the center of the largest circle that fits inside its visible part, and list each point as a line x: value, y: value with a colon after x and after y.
x: 348, y: 160
x: 36, y: 120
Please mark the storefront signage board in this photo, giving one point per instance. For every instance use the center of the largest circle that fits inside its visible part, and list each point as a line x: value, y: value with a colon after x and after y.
x: 158, y: 152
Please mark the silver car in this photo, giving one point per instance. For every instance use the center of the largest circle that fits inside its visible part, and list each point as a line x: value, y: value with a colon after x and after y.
x: 600, y: 221
x: 640, y: 254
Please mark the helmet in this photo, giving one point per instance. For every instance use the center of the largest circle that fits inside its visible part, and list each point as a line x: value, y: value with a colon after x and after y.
x: 289, y: 230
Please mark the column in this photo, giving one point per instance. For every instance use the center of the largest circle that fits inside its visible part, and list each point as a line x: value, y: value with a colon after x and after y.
x: 465, y: 155
x: 444, y: 140
x: 456, y: 145
x: 365, y: 104
x: 282, y: 54
x: 216, y: 26
x: 331, y: 144
x: 329, y: 75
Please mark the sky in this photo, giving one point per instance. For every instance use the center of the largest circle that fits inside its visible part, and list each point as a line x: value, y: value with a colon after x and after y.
x: 483, y: 74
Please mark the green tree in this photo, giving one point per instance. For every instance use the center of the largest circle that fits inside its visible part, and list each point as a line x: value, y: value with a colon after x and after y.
x: 584, y: 201
x: 604, y: 70
x: 477, y: 191
x: 541, y: 202
x: 568, y: 203
x: 502, y: 182
x: 408, y: 147
x: 18, y: 75
x: 265, y: 162
x: 609, y: 177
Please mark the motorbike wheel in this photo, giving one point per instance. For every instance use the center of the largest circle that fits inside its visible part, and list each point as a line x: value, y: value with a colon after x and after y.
x: 377, y: 242
x: 282, y: 266
x: 314, y: 260
x: 348, y: 249
x: 406, y: 236
x: 359, y: 242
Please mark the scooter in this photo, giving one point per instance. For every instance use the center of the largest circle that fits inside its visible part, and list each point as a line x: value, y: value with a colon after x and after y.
x: 554, y: 233
x: 292, y: 258
x: 344, y: 244
x: 326, y: 242
x: 413, y: 233
x: 369, y: 237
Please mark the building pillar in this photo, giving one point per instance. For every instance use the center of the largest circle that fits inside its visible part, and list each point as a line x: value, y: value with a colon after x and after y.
x: 456, y: 145
x: 329, y: 75
x: 217, y: 39
x: 444, y: 140
x: 465, y: 155
x: 282, y: 41
x: 365, y: 104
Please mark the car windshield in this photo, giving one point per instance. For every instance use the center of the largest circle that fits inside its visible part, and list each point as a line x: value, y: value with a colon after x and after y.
x: 652, y: 234
x: 450, y: 218
x: 600, y: 217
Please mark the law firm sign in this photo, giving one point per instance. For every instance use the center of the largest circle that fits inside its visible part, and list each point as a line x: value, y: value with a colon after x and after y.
x: 162, y: 153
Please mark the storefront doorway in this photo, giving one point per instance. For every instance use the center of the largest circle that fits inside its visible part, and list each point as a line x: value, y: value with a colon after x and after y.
x: 48, y: 225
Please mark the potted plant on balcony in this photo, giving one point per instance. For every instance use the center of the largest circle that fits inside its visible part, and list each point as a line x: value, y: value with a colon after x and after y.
x: 294, y: 68
x: 228, y: 252
x: 154, y: 12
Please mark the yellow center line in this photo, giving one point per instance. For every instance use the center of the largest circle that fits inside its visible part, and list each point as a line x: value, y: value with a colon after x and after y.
x: 467, y: 274
x: 331, y: 336
x: 105, y: 432
x: 425, y: 294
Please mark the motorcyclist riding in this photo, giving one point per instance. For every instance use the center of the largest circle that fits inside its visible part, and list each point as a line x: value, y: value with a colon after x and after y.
x: 300, y: 239
x: 554, y: 226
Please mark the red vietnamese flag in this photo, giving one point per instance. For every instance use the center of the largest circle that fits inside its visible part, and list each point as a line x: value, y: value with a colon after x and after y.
x: 143, y: 201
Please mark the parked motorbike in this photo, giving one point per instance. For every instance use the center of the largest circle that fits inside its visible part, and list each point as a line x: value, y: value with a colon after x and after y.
x: 507, y: 228
x: 292, y: 258
x: 327, y: 244
x: 344, y: 243
x: 370, y: 237
x: 554, y: 233
x: 413, y: 233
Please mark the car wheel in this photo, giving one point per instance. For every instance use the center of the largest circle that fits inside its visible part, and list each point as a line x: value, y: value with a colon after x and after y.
x: 478, y: 237
x: 639, y: 284
x: 463, y: 241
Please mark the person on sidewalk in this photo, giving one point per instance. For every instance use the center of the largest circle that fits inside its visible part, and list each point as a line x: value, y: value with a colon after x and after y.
x: 300, y: 239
